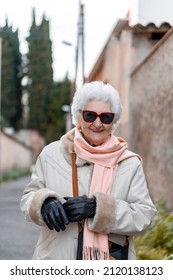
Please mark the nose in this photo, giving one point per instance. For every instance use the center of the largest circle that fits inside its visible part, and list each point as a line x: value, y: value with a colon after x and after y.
x: 97, y: 122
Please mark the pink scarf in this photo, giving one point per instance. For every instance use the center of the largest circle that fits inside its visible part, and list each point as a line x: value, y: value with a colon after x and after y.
x: 105, y: 158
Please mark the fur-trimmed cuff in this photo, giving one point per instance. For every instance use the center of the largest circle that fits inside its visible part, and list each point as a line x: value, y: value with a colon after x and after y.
x: 37, y: 202
x: 104, y: 218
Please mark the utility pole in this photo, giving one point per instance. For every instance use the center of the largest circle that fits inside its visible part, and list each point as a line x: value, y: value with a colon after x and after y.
x: 82, y: 39
x: 79, y: 61
x: 80, y: 49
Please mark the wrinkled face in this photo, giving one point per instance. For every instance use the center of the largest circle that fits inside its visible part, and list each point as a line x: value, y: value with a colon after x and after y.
x: 96, y: 132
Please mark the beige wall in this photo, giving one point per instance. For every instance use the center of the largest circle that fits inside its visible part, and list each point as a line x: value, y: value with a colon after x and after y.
x: 151, y: 119
x: 118, y: 62
x: 13, y: 154
x: 32, y: 139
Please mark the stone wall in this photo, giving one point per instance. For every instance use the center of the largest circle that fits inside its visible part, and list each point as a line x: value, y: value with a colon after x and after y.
x: 151, y: 118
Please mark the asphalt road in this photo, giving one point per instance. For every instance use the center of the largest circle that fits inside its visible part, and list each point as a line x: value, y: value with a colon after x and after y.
x: 17, y: 236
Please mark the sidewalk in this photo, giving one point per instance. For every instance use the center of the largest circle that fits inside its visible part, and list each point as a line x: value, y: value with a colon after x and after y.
x: 17, y: 236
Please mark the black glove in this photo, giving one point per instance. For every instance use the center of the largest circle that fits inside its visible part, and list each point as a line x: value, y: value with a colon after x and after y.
x: 79, y: 208
x: 54, y: 214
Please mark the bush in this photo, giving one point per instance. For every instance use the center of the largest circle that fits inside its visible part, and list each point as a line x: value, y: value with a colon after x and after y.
x: 157, y: 242
x: 13, y: 173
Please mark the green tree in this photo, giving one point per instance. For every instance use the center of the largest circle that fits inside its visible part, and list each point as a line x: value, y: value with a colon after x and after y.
x: 60, y: 97
x: 11, y: 88
x: 40, y: 74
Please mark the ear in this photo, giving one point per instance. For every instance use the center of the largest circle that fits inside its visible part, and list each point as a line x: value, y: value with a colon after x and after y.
x: 113, y: 127
x: 78, y: 124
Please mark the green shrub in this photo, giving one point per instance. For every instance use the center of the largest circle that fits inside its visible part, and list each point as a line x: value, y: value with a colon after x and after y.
x: 157, y: 242
x: 13, y: 173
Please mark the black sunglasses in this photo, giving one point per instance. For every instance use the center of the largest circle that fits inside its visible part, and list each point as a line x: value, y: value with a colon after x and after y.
x: 91, y: 116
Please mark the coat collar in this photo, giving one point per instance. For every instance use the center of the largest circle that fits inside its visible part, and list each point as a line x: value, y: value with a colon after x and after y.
x: 67, y: 147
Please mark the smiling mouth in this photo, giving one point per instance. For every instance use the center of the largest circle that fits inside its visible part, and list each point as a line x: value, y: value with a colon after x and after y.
x: 96, y: 131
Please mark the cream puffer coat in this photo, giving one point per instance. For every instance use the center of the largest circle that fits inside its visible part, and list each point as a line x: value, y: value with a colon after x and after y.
x: 128, y: 210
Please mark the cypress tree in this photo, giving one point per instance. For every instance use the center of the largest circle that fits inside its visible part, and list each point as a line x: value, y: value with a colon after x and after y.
x: 11, y: 88
x: 40, y: 74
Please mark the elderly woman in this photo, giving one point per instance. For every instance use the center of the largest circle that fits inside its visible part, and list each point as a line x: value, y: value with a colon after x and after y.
x: 113, y: 198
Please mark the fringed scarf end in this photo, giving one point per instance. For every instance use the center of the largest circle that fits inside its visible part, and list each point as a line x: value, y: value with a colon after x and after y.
x: 90, y: 253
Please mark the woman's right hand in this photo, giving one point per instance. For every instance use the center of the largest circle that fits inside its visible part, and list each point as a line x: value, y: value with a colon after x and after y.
x: 54, y: 214
x: 80, y: 207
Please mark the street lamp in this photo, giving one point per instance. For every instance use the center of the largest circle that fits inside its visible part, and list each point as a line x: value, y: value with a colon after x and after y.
x: 73, y: 83
x: 67, y: 108
x: 67, y: 43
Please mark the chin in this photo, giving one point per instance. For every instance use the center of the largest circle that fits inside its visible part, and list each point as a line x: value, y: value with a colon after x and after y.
x: 96, y: 143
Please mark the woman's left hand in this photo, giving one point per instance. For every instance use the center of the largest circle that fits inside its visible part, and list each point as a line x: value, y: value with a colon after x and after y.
x: 79, y: 208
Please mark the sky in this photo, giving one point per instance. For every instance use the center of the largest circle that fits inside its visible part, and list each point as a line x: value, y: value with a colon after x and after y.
x: 100, y: 17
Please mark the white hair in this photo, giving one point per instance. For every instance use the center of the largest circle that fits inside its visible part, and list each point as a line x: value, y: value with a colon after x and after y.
x: 96, y: 90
